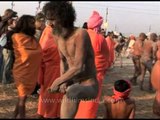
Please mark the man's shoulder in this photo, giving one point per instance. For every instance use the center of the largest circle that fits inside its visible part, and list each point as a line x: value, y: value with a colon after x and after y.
x: 81, y: 31
x: 108, y: 99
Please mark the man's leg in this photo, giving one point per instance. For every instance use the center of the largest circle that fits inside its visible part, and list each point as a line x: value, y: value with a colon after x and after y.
x: 1, y: 67
x: 121, y: 60
x: 69, y: 107
x: 21, y: 106
x: 137, y: 70
x: 149, y: 68
x: 143, y: 72
x: 91, y: 106
x: 15, y: 114
x: 9, y: 63
x: 74, y: 94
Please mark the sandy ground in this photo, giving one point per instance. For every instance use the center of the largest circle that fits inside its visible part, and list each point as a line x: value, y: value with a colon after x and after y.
x: 144, y: 99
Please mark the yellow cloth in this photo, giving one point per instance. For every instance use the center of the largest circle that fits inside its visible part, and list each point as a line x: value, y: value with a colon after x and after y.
x: 131, y: 43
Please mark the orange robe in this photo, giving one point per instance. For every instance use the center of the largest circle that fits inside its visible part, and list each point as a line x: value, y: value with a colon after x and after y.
x: 155, y: 80
x: 28, y: 56
x: 49, y: 104
x: 88, y: 109
x: 110, y: 45
x: 155, y: 74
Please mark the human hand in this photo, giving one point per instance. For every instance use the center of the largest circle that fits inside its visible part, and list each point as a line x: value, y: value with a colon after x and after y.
x: 53, y: 88
x: 63, y: 88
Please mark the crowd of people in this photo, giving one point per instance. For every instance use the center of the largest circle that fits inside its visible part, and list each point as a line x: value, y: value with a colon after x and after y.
x: 48, y: 55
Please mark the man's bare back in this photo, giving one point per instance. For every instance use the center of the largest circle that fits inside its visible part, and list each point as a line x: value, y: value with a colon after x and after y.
x: 149, y: 49
x: 147, y: 53
x: 122, y: 109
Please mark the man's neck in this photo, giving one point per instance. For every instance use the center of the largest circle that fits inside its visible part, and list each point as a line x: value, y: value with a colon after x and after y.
x: 66, y: 33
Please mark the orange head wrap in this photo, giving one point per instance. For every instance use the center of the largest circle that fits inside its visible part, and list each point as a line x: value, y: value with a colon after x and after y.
x: 122, y: 95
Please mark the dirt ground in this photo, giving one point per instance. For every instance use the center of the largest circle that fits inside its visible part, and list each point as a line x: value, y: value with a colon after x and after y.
x: 144, y: 99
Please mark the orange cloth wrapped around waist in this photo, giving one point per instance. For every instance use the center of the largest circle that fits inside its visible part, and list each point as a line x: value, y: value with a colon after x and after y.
x: 121, y: 95
x: 26, y: 66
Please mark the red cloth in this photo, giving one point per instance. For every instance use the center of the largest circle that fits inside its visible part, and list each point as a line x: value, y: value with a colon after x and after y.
x: 110, y: 45
x: 49, y: 104
x: 121, y: 95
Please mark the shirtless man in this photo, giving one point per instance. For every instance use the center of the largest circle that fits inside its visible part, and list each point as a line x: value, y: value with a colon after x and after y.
x: 120, y: 106
x: 78, y: 72
x: 136, y: 54
x: 148, y: 58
